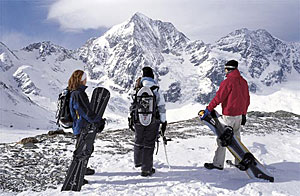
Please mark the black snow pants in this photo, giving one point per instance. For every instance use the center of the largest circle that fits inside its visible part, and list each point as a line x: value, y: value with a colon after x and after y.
x: 145, y: 138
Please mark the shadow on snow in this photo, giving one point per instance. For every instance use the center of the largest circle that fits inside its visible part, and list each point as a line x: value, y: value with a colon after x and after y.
x: 229, y: 178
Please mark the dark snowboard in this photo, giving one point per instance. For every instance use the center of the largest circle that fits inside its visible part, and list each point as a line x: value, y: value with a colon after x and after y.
x: 85, y: 148
x: 247, y: 162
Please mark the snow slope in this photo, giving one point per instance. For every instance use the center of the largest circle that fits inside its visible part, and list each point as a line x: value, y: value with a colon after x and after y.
x: 273, y: 138
x: 115, y: 174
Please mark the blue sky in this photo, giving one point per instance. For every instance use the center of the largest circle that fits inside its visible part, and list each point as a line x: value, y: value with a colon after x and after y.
x: 70, y: 23
x: 25, y: 21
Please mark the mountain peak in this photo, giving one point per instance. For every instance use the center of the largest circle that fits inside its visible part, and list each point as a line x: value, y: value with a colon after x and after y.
x: 39, y: 45
x: 47, y: 48
x: 141, y: 28
x: 260, y: 38
x: 250, y: 34
x: 140, y: 16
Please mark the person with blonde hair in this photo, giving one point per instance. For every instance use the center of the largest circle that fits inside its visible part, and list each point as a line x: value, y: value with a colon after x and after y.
x: 80, y: 109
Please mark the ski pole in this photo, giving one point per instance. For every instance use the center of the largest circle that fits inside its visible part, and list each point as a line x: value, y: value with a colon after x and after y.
x: 164, y: 142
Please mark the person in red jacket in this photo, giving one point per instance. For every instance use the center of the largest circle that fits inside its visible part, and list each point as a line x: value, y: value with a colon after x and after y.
x: 233, y: 95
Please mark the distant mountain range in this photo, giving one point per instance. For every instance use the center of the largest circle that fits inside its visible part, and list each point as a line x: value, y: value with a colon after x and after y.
x: 188, y: 71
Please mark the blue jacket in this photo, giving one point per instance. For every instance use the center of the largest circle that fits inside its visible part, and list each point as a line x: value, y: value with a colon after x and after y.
x: 80, y: 110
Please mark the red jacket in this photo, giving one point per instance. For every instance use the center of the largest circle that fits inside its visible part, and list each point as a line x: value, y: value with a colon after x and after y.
x: 233, y: 94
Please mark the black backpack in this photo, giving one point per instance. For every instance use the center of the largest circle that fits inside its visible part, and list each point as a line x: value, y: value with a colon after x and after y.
x: 63, y: 114
x: 144, y: 107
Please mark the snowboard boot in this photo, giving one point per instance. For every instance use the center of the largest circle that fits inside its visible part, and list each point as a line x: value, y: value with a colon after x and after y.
x: 89, y: 171
x: 85, y: 182
x: 211, y: 166
x: 148, y: 173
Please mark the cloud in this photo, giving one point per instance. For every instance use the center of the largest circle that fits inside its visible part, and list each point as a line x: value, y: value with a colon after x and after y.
x: 198, y: 19
x: 17, y: 40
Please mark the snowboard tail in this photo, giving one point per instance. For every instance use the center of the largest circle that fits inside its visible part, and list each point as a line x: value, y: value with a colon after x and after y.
x: 85, y: 147
x: 247, y: 161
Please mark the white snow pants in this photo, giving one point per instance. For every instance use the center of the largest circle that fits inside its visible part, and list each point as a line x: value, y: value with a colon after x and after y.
x: 235, y: 123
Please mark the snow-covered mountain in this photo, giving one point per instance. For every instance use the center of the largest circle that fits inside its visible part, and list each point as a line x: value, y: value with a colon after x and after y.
x: 188, y: 71
x: 266, y: 59
x: 184, y: 66
x: 122, y: 51
x: 31, y: 79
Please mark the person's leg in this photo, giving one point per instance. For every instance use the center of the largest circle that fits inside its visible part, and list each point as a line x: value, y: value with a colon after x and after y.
x: 138, y: 145
x: 237, y: 131
x: 219, y: 157
x: 235, y: 123
x: 150, y: 138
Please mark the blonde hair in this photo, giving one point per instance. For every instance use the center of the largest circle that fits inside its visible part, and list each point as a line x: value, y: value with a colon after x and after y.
x: 75, y: 80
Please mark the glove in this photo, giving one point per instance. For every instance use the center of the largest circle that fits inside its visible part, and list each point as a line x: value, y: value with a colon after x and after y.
x: 130, y: 124
x: 244, y: 120
x: 163, y: 128
x: 206, y: 112
x: 100, y: 125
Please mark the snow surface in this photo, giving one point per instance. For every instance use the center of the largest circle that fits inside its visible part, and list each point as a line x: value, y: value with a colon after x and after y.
x: 116, y: 175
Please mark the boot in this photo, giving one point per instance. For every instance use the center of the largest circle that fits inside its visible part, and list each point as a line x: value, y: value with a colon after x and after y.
x: 89, y: 171
x: 148, y: 173
x: 212, y: 166
x: 85, y: 182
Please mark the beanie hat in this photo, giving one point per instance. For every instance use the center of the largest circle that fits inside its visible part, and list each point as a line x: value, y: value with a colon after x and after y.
x: 147, y: 72
x: 232, y: 64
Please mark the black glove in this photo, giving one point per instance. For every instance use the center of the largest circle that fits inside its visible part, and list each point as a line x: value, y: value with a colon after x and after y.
x: 163, y: 128
x: 244, y: 120
x: 130, y: 124
x: 100, y: 125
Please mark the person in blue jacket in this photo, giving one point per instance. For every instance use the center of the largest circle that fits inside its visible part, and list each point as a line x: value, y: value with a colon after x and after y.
x: 80, y: 109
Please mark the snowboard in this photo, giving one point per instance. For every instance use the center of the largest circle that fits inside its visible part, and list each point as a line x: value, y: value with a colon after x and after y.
x: 85, y: 147
x: 247, y: 161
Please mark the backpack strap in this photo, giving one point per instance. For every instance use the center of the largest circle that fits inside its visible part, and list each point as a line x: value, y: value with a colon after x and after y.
x: 154, y: 88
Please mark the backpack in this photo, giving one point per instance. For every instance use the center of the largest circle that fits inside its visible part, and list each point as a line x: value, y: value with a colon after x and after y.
x: 144, y: 107
x: 63, y: 114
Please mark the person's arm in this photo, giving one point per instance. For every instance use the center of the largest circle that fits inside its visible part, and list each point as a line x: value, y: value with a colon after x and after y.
x: 85, y: 110
x: 221, y: 95
x: 161, y: 105
x: 131, y: 111
x: 248, y: 100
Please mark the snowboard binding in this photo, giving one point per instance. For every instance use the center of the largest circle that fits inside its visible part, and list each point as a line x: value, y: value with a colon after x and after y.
x: 226, y: 137
x: 247, y: 161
